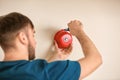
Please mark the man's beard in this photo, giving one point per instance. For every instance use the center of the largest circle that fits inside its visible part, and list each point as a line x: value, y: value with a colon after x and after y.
x: 31, y: 52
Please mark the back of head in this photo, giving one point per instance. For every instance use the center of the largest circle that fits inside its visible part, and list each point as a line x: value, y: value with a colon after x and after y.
x: 10, y: 25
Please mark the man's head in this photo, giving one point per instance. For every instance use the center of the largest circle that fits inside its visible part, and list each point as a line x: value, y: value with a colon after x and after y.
x: 15, y: 28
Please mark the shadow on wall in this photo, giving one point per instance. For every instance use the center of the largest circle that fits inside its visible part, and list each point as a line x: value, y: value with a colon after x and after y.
x: 47, y: 40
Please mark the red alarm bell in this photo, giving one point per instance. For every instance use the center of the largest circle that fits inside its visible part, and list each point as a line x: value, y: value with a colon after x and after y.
x: 63, y: 38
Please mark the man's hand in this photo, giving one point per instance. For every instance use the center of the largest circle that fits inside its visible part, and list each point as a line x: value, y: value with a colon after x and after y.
x: 75, y: 27
x: 60, y: 54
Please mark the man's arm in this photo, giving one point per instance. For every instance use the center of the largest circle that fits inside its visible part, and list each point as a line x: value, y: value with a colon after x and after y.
x: 92, y: 58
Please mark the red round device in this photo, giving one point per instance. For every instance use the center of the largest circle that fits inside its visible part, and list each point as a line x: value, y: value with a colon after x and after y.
x: 63, y: 38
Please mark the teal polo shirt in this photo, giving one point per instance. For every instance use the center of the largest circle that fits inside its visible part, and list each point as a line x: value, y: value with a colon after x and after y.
x: 39, y: 70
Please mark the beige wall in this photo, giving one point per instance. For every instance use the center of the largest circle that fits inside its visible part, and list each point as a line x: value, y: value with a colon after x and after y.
x: 101, y: 19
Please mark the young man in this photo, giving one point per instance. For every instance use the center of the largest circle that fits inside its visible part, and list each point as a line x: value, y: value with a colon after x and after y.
x: 18, y: 43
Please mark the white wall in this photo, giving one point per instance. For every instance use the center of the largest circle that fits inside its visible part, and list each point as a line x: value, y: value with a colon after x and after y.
x: 101, y: 19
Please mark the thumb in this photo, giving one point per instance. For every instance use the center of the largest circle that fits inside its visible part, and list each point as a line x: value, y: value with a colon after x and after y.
x: 56, y: 45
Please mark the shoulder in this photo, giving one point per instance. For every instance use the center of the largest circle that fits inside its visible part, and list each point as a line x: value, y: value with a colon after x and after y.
x: 67, y: 65
x: 38, y: 62
x: 63, y: 68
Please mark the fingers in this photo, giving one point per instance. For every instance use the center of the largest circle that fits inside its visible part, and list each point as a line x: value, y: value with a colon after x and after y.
x: 68, y: 50
x: 77, y: 22
x: 75, y: 26
x: 56, y: 45
x: 65, y: 51
x: 57, y: 49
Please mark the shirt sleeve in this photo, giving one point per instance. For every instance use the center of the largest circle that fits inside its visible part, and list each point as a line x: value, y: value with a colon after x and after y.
x: 64, y: 70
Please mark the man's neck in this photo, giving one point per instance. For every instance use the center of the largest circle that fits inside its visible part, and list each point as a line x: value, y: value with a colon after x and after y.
x: 13, y: 58
x: 15, y: 55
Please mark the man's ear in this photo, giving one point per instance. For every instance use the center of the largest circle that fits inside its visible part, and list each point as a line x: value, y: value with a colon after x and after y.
x: 23, y: 38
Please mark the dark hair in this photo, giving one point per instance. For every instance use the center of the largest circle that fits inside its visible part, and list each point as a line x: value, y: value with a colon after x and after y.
x: 10, y: 24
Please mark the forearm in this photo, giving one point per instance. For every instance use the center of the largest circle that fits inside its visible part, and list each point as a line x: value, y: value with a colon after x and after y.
x: 88, y: 47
